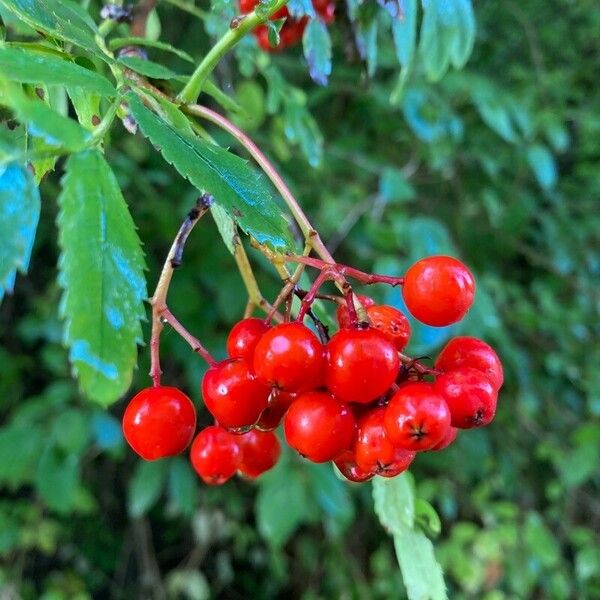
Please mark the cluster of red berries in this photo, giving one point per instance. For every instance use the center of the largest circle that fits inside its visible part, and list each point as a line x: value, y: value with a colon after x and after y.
x: 355, y: 400
x: 292, y: 29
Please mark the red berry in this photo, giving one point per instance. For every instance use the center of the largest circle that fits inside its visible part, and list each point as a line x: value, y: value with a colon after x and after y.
x: 470, y: 396
x: 391, y: 323
x: 417, y: 417
x: 438, y: 290
x: 244, y: 336
x: 346, y: 463
x: 215, y: 455
x: 448, y: 439
x: 279, y: 402
x: 325, y: 9
x: 260, y: 452
x: 362, y: 365
x: 373, y: 450
x: 290, y: 357
x: 159, y: 422
x: 319, y: 426
x: 247, y: 6
x: 261, y: 33
x: 342, y: 315
x: 233, y: 394
x: 471, y: 352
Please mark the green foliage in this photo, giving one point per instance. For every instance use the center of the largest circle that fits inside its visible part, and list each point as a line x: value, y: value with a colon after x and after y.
x: 102, y: 275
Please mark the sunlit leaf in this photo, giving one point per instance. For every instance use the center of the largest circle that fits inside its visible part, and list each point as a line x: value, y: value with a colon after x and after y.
x: 317, y: 50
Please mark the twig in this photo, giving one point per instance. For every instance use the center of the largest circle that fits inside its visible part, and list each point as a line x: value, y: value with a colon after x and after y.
x: 140, y: 17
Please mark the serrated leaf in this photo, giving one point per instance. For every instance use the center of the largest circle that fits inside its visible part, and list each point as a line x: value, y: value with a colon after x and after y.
x: 149, y: 68
x: 239, y: 189
x: 102, y: 275
x: 64, y: 20
x: 24, y: 66
x: 116, y: 43
x: 146, y: 486
x: 42, y: 121
x: 19, y: 216
x: 366, y: 42
x: 404, y: 30
x: 317, y: 50
x: 543, y: 165
x: 464, y: 35
x: 86, y: 105
x: 422, y: 575
x: 434, y: 47
x: 225, y: 225
x: 395, y: 502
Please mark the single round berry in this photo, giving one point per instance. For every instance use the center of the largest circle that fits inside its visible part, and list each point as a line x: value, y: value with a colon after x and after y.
x: 343, y: 316
x: 233, y: 394
x: 417, y: 417
x: 448, y: 439
x: 470, y: 396
x: 373, y: 450
x: 260, y: 452
x: 290, y: 357
x: 361, y: 365
x: 244, y: 336
x: 215, y: 455
x: 346, y: 464
x: 392, y: 323
x: 325, y: 9
x: 471, y: 352
x: 319, y: 426
x: 438, y: 290
x: 279, y: 402
x: 159, y: 422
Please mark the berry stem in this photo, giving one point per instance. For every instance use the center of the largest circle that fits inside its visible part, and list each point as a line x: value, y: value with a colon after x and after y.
x: 168, y: 317
x: 309, y: 298
x: 238, y: 28
x: 416, y: 365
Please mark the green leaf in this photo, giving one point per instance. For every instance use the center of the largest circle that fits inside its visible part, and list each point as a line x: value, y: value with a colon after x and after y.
x: 63, y: 20
x: 146, y: 486
x: 395, y: 502
x: 42, y: 121
x: 317, y: 50
x: 366, y: 42
x: 149, y: 68
x: 57, y: 479
x: 244, y: 194
x: 404, y: 30
x: 70, y: 431
x: 23, y: 443
x: 422, y: 574
x: 19, y: 216
x: 225, y: 225
x: 35, y: 67
x: 183, y: 486
x: 102, y: 275
x: 434, y: 47
x: 464, y: 35
x: 86, y: 105
x: 543, y: 165
x: 116, y: 43
x: 393, y: 186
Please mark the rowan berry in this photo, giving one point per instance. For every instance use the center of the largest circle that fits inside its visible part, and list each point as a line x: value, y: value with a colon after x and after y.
x: 438, y: 290
x: 215, y: 455
x: 374, y: 451
x: 158, y: 422
x: 361, y: 365
x: 448, y: 439
x: 417, y: 417
x: 244, y: 336
x: 260, y: 452
x: 392, y: 323
x: 343, y: 316
x: 471, y: 352
x: 279, y: 402
x: 319, y: 426
x: 233, y: 394
x: 290, y: 357
x: 346, y: 464
x: 470, y: 396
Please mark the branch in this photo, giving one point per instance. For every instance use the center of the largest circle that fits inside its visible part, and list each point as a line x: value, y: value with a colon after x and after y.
x: 140, y: 17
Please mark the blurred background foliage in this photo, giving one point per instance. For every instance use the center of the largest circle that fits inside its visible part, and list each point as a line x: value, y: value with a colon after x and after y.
x: 496, y: 163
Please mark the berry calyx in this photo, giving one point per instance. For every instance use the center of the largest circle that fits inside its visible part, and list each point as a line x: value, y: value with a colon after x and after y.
x: 448, y: 439
x: 215, y: 455
x: 343, y: 316
x: 346, y: 464
x: 361, y: 365
x: 470, y: 396
x: 319, y: 426
x: 158, y: 422
x: 467, y: 351
x: 417, y: 417
x: 438, y: 290
x: 260, y: 452
x: 233, y: 394
x: 290, y: 357
x: 279, y: 402
x: 374, y: 451
x: 244, y: 336
x: 392, y: 323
